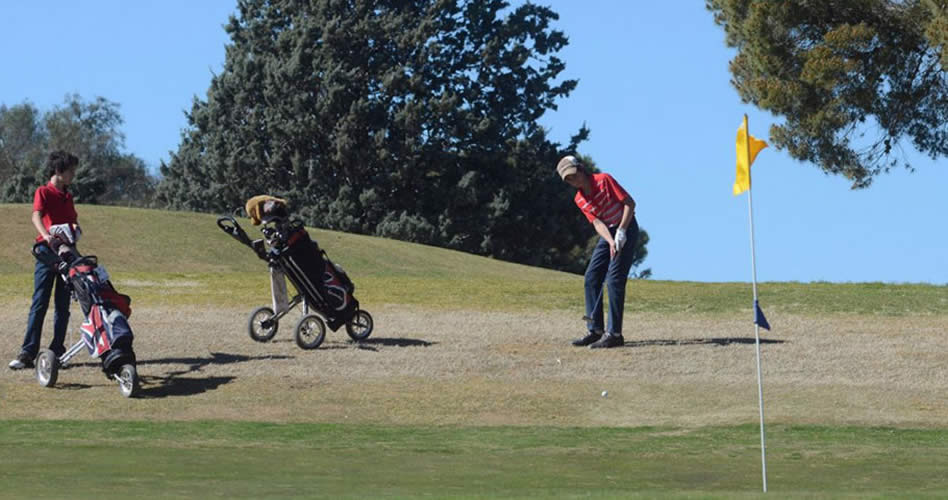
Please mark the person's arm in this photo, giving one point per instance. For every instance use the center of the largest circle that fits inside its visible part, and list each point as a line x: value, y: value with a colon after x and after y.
x: 628, y: 212
x: 603, y: 231
x: 628, y: 209
x: 38, y: 224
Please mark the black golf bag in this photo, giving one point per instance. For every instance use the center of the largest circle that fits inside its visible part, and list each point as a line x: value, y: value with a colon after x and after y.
x: 326, y: 287
x: 323, y: 288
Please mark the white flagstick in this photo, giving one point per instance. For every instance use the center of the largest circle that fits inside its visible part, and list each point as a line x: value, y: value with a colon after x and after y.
x: 760, y: 384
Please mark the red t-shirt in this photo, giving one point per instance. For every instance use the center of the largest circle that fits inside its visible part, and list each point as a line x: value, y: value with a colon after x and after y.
x: 55, y: 206
x: 605, y: 202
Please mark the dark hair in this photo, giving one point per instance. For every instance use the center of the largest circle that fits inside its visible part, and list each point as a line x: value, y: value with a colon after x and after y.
x: 59, y: 162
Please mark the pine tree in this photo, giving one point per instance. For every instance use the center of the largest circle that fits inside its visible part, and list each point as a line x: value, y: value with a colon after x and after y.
x: 411, y: 119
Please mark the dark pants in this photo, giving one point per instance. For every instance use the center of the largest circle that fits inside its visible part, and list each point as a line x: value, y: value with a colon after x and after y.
x: 45, y: 277
x: 615, y: 273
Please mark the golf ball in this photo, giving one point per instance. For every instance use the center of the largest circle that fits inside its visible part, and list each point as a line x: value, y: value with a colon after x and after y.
x: 605, y: 393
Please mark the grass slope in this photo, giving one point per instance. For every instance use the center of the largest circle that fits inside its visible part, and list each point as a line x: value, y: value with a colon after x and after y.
x: 170, y: 258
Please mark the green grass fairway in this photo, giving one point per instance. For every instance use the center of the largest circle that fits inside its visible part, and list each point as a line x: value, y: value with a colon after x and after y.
x: 252, y: 460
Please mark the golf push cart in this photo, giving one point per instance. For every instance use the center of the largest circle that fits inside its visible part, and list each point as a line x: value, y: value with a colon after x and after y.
x: 105, y: 332
x: 322, y: 286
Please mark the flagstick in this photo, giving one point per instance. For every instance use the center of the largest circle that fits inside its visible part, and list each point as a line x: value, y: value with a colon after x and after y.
x: 760, y: 385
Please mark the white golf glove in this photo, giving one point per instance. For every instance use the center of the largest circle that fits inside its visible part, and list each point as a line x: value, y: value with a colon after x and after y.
x: 620, y: 239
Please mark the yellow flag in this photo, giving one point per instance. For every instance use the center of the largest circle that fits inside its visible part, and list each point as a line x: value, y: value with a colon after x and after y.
x: 743, y: 182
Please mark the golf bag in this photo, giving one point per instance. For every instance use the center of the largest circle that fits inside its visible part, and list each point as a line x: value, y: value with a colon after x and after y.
x: 325, y: 286
x: 321, y: 285
x: 105, y: 331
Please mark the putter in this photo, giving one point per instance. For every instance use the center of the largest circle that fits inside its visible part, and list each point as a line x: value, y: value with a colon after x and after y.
x: 601, y: 290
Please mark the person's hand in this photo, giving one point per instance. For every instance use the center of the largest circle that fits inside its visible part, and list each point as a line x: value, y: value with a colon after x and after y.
x: 48, y: 238
x: 612, y: 249
x: 620, y: 239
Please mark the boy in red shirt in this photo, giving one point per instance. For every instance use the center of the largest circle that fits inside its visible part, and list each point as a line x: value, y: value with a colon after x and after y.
x: 612, y: 212
x: 52, y: 204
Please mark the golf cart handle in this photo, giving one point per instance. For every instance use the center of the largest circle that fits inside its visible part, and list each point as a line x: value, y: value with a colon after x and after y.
x: 37, y: 249
x: 230, y: 226
x: 47, y: 256
x: 227, y: 223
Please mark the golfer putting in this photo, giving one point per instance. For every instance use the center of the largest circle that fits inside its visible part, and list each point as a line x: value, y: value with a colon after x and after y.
x: 611, y: 211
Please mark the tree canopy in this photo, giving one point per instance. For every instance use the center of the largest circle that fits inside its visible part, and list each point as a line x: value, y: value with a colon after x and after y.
x: 416, y: 120
x: 853, y: 79
x: 89, y: 130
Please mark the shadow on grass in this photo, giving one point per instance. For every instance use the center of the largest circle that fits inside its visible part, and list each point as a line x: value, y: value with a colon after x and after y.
x: 370, y: 343
x: 163, y: 387
x: 389, y: 342
x: 397, y: 342
x: 71, y: 386
x: 174, y: 384
x: 216, y: 358
x: 718, y: 341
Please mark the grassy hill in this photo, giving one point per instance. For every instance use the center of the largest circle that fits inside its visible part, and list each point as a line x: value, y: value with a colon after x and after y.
x: 140, y: 240
x: 182, y: 257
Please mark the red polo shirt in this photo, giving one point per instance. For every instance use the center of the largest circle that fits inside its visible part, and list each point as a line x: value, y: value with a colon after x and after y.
x: 605, y: 202
x: 55, y: 206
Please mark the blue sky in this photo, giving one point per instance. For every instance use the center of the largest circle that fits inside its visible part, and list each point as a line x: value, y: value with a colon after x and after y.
x: 653, y: 88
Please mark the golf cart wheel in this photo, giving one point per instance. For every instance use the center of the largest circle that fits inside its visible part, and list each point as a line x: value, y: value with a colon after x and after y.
x: 128, y: 381
x: 261, y: 326
x: 360, y: 326
x: 310, y: 332
x: 47, y: 368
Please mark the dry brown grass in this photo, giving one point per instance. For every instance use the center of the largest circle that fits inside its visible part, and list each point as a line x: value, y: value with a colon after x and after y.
x: 436, y: 367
